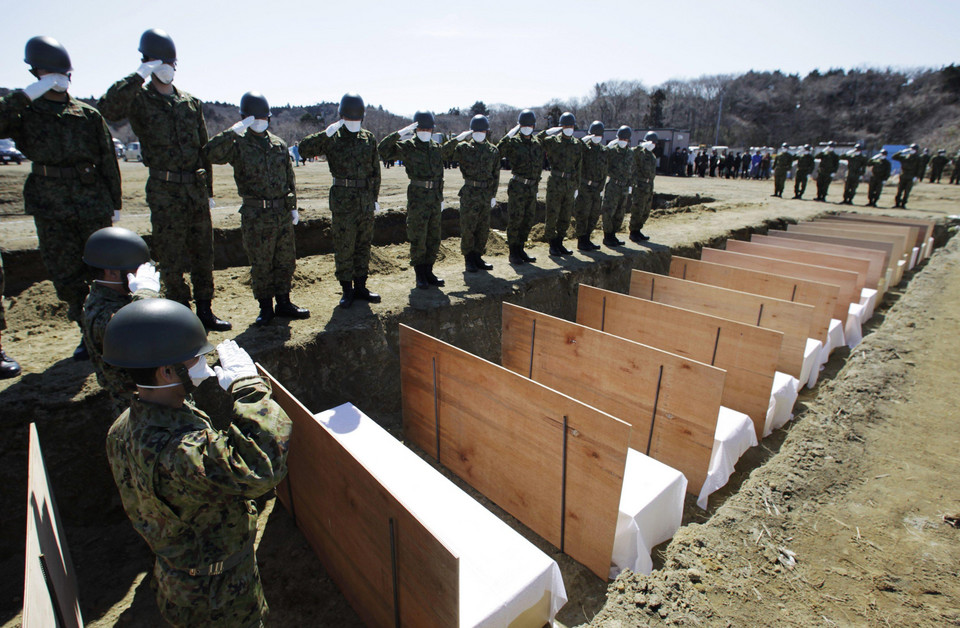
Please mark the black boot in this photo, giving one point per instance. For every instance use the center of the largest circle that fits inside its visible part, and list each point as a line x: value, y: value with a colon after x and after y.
x: 420, y: 270
x: 470, y: 263
x: 516, y: 256
x: 80, y: 354
x: 8, y: 366
x: 432, y: 279
x: 209, y: 319
x: 286, y: 309
x: 346, y: 300
x: 638, y: 236
x: 611, y: 240
x: 360, y: 291
x: 266, y: 311
x: 526, y: 256
x: 563, y: 250
x: 584, y: 244
x: 556, y: 248
x: 479, y: 261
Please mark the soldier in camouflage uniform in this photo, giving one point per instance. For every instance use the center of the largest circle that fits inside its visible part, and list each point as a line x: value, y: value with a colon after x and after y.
x: 265, y: 182
x: 646, y: 162
x: 781, y: 166
x: 115, y: 252
x: 423, y: 160
x: 172, y: 133
x: 187, y: 487
x: 74, y: 185
x: 924, y: 160
x: 856, y: 167
x: 909, y: 167
x: 8, y: 366
x: 524, y: 152
x: 937, y: 164
x: 829, y: 163
x: 879, y: 172
x: 805, y: 165
x: 955, y: 174
x: 622, y: 168
x: 565, y: 156
x: 480, y: 165
x: 593, y: 175
x: 354, y: 162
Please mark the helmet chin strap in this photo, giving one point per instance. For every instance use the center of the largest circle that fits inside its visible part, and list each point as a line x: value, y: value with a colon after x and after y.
x: 185, y: 381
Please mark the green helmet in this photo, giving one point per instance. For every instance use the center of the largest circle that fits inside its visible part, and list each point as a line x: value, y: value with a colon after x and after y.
x: 254, y: 104
x: 115, y: 248
x: 152, y: 333
x: 596, y: 128
x: 651, y: 137
x: 527, y: 118
x: 624, y: 133
x: 157, y: 44
x: 424, y: 120
x: 46, y: 53
x: 568, y: 119
x: 351, y: 107
x: 479, y: 123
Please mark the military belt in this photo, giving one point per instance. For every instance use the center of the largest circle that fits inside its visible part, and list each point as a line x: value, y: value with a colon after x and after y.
x: 476, y: 184
x: 277, y: 203
x: 562, y: 175
x: 70, y: 172
x: 430, y: 185
x: 217, y: 568
x: 350, y: 183
x: 524, y: 181
x: 173, y: 176
x: 620, y: 182
x: 593, y: 184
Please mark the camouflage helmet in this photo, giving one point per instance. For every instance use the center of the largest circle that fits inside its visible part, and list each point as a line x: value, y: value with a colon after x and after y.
x: 351, y: 107
x: 157, y: 44
x: 479, y: 123
x: 651, y: 137
x: 596, y: 128
x: 115, y: 248
x: 254, y: 104
x: 624, y: 133
x: 568, y: 119
x: 424, y: 120
x: 152, y: 333
x: 46, y: 53
x: 526, y: 118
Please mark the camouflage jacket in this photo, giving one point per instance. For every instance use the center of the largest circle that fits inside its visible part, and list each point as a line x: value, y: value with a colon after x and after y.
x: 261, y: 165
x: 188, y: 488
x: 479, y: 161
x: 805, y: 165
x: 646, y: 164
x: 171, y: 128
x: 829, y: 162
x: 349, y: 155
x: 61, y: 134
x: 101, y: 304
x: 880, y: 168
x: 525, y: 154
x: 924, y: 160
x: 564, y: 154
x: 909, y: 164
x: 939, y: 162
x: 423, y: 161
x: 783, y: 162
x: 621, y: 165
x: 594, y: 166
x: 856, y: 165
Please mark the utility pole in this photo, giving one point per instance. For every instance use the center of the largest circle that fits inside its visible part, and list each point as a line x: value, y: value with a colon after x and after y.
x: 716, y: 136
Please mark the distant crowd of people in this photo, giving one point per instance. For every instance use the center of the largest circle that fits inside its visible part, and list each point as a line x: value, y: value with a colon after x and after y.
x: 752, y: 164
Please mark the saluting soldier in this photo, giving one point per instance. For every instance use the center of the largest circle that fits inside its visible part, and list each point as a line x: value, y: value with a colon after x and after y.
x: 856, y: 167
x: 525, y: 154
x: 829, y: 163
x: 622, y: 168
x: 355, y: 165
x: 74, y: 185
x: 937, y: 164
x: 423, y: 162
x: 479, y: 162
x: 565, y: 156
x: 267, y: 185
x: 955, y: 173
x: 593, y: 175
x: 643, y: 196
x: 781, y: 166
x: 909, y: 168
x: 805, y: 165
x: 879, y: 172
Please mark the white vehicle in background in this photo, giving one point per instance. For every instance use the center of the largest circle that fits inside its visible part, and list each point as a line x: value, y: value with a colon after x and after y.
x: 132, y: 153
x: 118, y: 148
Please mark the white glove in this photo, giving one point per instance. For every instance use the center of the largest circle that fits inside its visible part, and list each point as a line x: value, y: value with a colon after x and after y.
x: 147, y: 68
x: 554, y: 130
x: 376, y: 206
x: 241, y: 127
x: 235, y: 363
x: 116, y: 216
x: 147, y: 277
x: 587, y: 139
x: 649, y: 146
x: 410, y: 128
x: 612, y: 142
x: 406, y: 136
x: 493, y: 202
x: 333, y: 128
x: 41, y: 87
x: 630, y: 189
x: 443, y: 206
x: 513, y: 131
x: 576, y: 193
x: 463, y: 136
x: 295, y: 216
x: 212, y: 203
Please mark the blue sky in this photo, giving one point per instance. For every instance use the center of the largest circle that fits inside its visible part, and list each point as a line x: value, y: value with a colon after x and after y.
x: 437, y: 55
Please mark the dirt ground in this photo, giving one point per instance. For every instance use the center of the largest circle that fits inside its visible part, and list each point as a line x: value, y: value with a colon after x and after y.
x: 855, y: 486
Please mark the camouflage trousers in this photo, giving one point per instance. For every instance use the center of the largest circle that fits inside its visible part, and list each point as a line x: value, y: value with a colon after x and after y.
x: 616, y: 198
x: 62, y: 239
x: 474, y: 219
x: 903, y: 190
x: 800, y: 184
x: 423, y: 224
x: 850, y: 186
x: 587, y: 209
x: 182, y: 238
x: 560, y: 202
x: 352, y: 226
x: 823, y: 184
x: 271, y: 248
x: 233, y: 598
x: 779, y: 181
x: 521, y: 211
x: 873, y: 190
x: 642, y: 203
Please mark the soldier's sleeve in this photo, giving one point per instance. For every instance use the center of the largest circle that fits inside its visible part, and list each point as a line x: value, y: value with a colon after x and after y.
x: 222, y: 148
x: 108, y: 167
x: 449, y: 148
x: 313, y: 145
x: 505, y: 147
x: 202, y: 134
x: 115, y: 104
x: 291, y: 197
x: 375, y: 157
x: 495, y: 174
x: 248, y: 458
x: 389, y: 147
x: 579, y: 168
x: 11, y: 106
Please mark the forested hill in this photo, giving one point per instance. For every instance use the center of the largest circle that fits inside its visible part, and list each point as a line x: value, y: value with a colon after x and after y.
x: 757, y: 108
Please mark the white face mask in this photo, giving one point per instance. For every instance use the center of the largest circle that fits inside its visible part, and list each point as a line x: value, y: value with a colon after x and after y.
x: 259, y: 126
x: 164, y: 73
x: 622, y: 143
x: 526, y: 130
x: 596, y: 139
x: 353, y: 125
x: 424, y: 136
x: 61, y: 83
x: 479, y: 137
x: 200, y: 371
x: 568, y: 132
